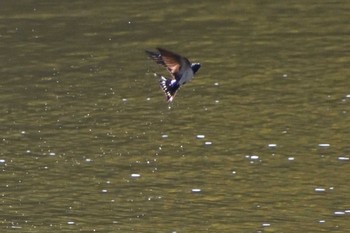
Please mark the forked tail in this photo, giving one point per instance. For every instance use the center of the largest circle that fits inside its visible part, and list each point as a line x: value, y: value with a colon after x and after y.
x: 169, y: 87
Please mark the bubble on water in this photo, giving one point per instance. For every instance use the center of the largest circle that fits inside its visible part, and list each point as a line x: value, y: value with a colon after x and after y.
x: 135, y: 175
x: 342, y: 158
x: 200, y: 136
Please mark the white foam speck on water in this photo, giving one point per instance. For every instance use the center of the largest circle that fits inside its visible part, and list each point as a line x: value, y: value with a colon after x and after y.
x: 104, y: 190
x: 135, y: 175
x: 322, y: 221
x: 266, y: 224
x: 70, y: 223
x: 196, y: 190
x: 254, y: 157
x: 200, y: 136
x: 323, y: 145
x: 165, y: 136
x: 290, y: 158
x: 216, y: 84
x: 339, y: 213
x: 272, y: 145
x: 208, y: 143
x: 342, y: 158
x: 2, y: 160
x: 320, y: 189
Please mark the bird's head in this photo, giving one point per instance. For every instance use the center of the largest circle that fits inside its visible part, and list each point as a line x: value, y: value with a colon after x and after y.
x: 195, y: 67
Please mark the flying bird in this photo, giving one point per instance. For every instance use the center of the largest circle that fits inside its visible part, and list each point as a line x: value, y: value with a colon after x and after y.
x: 180, y: 68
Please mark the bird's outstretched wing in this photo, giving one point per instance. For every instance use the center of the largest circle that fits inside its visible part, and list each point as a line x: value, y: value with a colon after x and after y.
x: 172, y: 61
x: 156, y: 57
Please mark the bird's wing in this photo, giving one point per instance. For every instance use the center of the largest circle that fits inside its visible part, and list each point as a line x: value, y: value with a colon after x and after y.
x: 174, y: 62
x: 156, y: 57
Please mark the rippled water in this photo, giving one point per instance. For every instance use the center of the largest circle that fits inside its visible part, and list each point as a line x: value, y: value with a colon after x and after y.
x: 257, y: 142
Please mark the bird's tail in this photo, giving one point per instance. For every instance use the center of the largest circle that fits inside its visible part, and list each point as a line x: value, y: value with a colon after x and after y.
x: 169, y: 87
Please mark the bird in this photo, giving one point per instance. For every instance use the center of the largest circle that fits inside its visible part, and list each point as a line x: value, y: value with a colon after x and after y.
x: 180, y: 68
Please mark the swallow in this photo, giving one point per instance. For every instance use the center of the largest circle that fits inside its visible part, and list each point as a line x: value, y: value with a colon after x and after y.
x: 180, y: 68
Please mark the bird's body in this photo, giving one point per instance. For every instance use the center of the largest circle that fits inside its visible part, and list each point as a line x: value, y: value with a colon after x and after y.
x: 180, y: 68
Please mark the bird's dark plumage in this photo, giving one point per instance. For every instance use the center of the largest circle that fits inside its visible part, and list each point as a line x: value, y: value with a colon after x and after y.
x: 180, y: 68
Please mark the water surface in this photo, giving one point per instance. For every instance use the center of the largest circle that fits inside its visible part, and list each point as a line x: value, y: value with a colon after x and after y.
x: 89, y: 144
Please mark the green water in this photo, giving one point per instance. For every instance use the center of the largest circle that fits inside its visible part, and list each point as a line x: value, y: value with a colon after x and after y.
x: 89, y: 144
